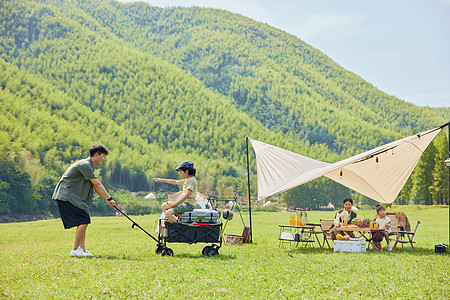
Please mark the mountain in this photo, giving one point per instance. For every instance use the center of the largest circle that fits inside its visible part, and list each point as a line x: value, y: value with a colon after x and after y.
x: 158, y: 86
x: 276, y: 78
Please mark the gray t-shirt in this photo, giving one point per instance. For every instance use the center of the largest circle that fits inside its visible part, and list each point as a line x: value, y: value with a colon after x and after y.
x: 75, y: 185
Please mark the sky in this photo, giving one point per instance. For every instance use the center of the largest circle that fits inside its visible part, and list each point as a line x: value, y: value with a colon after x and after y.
x: 402, y: 47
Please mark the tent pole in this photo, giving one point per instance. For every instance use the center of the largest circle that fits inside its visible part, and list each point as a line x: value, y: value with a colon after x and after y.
x: 249, y: 201
x: 448, y: 201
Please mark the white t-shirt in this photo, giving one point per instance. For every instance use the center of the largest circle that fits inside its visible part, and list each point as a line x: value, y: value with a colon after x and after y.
x: 341, y: 217
x: 382, y: 223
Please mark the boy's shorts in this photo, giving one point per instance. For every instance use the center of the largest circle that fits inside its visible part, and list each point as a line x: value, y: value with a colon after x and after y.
x: 183, y: 207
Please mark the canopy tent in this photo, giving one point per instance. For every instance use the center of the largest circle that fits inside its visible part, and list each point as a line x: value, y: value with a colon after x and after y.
x: 379, y: 173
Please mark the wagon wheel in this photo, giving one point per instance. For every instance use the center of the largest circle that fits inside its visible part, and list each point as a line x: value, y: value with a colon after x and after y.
x: 213, y: 251
x: 159, y: 249
x: 206, y: 250
x: 167, y: 252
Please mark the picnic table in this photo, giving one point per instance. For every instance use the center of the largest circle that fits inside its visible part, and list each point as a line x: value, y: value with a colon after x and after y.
x: 361, y: 230
x: 299, y: 234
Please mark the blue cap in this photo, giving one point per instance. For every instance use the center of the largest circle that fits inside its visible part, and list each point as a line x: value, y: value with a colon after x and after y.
x: 187, y: 164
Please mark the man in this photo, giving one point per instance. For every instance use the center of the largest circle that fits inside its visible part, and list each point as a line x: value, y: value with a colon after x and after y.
x: 73, y: 194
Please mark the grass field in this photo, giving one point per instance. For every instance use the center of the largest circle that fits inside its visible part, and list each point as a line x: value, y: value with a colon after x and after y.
x: 34, y: 263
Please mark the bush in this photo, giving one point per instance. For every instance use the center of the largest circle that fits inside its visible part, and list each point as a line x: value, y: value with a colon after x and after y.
x: 160, y: 197
x: 138, y: 207
x: 128, y: 204
x: 100, y: 207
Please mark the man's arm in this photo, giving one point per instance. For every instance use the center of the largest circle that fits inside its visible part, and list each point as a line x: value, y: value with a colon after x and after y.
x: 101, y: 191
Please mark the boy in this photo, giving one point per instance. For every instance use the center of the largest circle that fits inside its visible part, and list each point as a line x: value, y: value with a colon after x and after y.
x: 383, y: 221
x: 187, y: 201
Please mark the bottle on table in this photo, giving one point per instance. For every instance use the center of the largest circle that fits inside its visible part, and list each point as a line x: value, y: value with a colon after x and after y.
x: 292, y: 220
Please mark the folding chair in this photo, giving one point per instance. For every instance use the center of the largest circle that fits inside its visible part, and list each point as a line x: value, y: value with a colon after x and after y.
x: 325, y: 225
x: 405, y: 237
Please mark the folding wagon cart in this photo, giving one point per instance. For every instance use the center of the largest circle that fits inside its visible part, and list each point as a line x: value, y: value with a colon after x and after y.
x: 191, y: 233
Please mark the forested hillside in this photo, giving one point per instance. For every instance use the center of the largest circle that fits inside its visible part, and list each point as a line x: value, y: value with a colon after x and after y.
x: 158, y: 86
x: 275, y: 77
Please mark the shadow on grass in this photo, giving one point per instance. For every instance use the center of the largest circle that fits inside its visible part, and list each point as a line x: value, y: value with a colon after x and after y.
x: 123, y: 257
x: 199, y: 256
x: 180, y: 255
x: 399, y: 251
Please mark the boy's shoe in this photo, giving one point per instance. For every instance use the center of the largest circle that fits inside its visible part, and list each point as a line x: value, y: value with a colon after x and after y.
x: 389, y: 247
x: 86, y: 253
x: 79, y: 252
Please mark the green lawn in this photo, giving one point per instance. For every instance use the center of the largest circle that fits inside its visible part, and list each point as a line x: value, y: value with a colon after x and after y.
x: 34, y: 263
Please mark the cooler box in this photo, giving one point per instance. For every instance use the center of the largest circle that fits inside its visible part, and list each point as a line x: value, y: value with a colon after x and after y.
x: 351, y: 245
x: 290, y: 236
x: 200, y: 216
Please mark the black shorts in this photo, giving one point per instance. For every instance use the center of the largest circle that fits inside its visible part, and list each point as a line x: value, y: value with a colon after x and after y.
x: 71, y: 215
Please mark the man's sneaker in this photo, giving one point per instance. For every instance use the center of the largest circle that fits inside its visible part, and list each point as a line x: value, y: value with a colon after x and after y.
x: 79, y: 252
x: 86, y: 253
x: 389, y: 247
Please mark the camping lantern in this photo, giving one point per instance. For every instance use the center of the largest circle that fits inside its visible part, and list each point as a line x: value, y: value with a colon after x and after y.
x: 227, y: 214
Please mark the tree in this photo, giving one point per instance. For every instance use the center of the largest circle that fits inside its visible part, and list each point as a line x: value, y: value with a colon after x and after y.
x: 439, y: 187
x: 422, y: 177
x: 15, y: 190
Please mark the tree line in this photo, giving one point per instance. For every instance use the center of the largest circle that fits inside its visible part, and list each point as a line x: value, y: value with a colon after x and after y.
x: 190, y: 83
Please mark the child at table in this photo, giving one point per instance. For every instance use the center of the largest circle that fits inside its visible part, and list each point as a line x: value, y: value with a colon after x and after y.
x: 383, y: 221
x: 376, y: 214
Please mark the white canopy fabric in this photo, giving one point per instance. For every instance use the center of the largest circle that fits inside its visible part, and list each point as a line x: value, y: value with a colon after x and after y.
x: 379, y: 173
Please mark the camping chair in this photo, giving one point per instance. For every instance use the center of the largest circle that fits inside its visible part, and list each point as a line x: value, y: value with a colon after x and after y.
x: 399, y: 222
x: 326, y: 225
x: 404, y: 237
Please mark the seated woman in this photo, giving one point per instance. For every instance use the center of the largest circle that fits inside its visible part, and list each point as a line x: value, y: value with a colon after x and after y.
x: 187, y: 201
x: 345, y: 214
